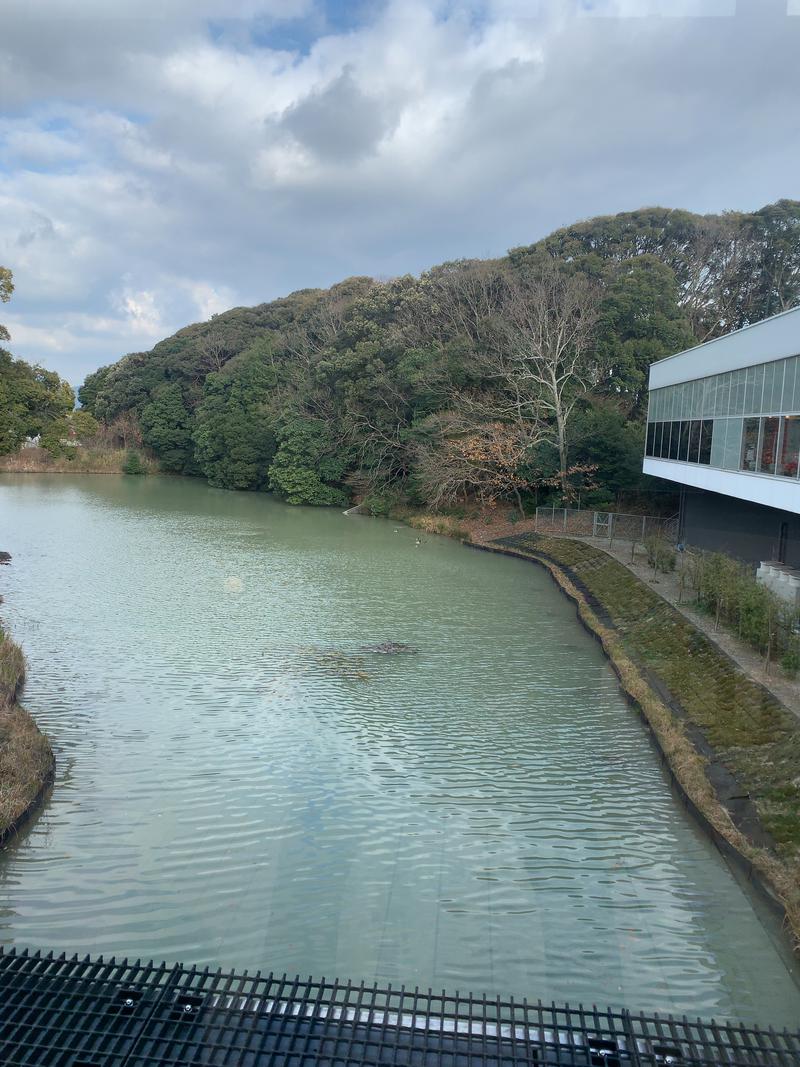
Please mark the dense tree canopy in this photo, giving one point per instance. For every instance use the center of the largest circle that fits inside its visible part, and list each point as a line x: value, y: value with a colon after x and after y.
x: 33, y: 401
x: 484, y: 378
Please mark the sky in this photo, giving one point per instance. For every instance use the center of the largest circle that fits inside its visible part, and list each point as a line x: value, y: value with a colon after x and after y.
x: 164, y: 160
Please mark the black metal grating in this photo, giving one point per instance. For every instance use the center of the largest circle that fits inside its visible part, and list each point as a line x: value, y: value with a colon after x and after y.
x: 59, y: 1012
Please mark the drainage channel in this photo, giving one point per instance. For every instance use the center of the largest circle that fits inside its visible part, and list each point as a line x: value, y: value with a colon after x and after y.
x: 57, y: 1011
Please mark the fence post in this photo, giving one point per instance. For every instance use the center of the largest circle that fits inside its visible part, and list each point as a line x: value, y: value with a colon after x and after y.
x: 565, y: 520
x: 644, y: 520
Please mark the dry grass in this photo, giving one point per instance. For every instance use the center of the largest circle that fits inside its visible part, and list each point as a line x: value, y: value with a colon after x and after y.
x: 79, y: 461
x: 439, y: 524
x: 26, y: 759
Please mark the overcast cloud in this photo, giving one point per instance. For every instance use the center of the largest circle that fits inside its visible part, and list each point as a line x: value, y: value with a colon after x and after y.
x: 163, y: 161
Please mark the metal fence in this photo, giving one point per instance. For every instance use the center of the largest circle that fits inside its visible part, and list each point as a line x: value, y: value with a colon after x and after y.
x: 606, y: 525
x: 70, y: 1012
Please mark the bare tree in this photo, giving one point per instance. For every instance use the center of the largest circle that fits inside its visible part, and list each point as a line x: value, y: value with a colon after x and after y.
x: 215, y: 352
x: 546, y: 361
x: 485, y: 460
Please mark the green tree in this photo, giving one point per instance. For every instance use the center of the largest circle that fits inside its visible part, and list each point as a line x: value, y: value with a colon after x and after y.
x: 167, y: 429
x: 640, y: 322
x: 31, y: 399
x: 234, y: 436
x: 91, y: 388
x: 6, y: 289
x: 605, y: 439
x: 133, y: 463
x: 305, y: 465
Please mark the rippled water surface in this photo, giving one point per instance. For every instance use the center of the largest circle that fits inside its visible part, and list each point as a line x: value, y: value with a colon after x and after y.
x: 241, y: 782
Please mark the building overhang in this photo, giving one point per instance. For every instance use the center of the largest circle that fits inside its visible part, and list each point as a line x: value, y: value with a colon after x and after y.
x: 763, y: 342
x: 772, y: 492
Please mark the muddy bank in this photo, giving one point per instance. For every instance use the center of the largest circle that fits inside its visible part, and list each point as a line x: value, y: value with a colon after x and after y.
x: 27, y: 763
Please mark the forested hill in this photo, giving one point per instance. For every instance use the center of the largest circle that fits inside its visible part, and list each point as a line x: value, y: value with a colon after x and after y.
x: 487, y: 379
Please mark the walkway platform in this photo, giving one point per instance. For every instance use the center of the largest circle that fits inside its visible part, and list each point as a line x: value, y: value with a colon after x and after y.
x: 69, y: 1012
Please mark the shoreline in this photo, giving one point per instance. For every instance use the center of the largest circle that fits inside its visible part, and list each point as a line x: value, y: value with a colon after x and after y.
x: 27, y: 762
x: 79, y: 461
x: 736, y: 828
x: 676, y: 758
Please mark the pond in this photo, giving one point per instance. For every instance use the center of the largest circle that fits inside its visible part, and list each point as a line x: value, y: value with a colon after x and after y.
x: 242, y: 780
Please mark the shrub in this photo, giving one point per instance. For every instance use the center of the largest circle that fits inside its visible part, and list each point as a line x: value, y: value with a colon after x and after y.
x: 133, y: 463
x: 728, y: 590
x: 380, y: 503
x: 660, y: 554
x: 790, y: 660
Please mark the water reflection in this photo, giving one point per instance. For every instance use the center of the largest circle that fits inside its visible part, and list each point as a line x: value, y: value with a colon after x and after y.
x: 241, y: 782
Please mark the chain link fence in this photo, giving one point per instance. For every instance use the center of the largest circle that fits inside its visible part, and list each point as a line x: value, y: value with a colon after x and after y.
x: 605, y: 525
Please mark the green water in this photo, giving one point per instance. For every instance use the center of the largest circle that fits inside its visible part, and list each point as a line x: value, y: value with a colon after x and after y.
x: 240, y: 783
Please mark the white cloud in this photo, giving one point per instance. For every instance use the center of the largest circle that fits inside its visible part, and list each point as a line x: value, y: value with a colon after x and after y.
x: 208, y: 299
x: 158, y: 166
x: 140, y: 310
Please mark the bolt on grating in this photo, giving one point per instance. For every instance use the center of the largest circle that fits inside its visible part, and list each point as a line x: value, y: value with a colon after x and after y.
x: 71, y: 1012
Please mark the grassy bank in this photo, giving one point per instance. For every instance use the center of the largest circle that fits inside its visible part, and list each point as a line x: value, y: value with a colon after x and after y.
x: 26, y: 759
x: 79, y: 461
x: 734, y: 749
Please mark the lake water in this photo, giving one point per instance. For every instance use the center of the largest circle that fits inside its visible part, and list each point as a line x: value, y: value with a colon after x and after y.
x: 241, y: 783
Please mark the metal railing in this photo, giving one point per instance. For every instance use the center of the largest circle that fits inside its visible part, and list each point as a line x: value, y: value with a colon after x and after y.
x: 605, y: 525
x: 71, y: 1012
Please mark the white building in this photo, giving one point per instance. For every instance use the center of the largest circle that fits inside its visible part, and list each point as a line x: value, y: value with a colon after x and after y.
x: 724, y: 422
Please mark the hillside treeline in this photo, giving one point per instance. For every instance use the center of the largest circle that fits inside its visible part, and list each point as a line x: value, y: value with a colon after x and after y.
x: 34, y: 402
x: 481, y: 379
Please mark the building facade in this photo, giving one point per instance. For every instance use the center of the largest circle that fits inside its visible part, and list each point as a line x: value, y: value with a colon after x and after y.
x: 724, y: 423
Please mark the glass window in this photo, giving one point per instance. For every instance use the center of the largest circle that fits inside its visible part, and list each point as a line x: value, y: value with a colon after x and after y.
x: 667, y: 438
x: 708, y: 390
x: 706, y: 431
x: 768, y: 452
x: 718, y: 433
x: 688, y: 400
x: 769, y: 371
x: 788, y: 385
x: 738, y: 379
x: 657, y: 439
x: 758, y: 388
x: 733, y: 444
x: 673, y: 441
x: 750, y: 402
x: 651, y: 433
x: 750, y: 444
x: 694, y: 440
x: 723, y: 395
x: 792, y: 400
x: 777, y: 386
x: 789, y: 451
x: 683, y: 441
